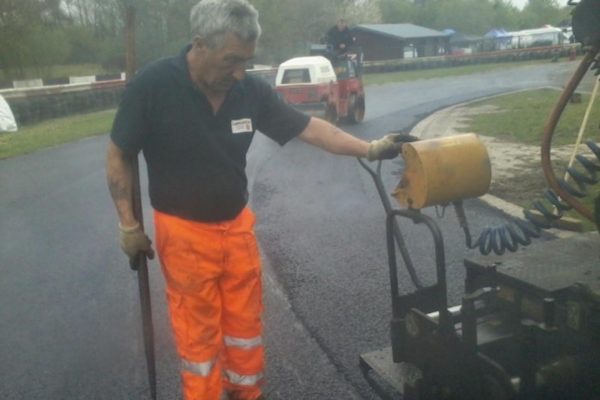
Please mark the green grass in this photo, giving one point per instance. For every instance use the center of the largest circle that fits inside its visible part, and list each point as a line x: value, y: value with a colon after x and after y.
x: 521, y: 117
x: 54, y: 132
x: 402, y: 76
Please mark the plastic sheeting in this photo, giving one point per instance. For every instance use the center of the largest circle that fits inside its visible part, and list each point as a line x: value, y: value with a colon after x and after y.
x: 7, y: 119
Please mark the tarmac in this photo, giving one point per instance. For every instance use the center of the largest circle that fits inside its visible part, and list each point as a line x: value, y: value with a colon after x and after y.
x: 291, y: 348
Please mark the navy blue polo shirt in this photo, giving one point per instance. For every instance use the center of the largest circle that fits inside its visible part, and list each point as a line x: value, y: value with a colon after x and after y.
x: 196, y: 159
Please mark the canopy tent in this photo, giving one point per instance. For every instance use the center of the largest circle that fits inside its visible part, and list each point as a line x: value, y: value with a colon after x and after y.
x: 498, y: 39
x: 7, y: 119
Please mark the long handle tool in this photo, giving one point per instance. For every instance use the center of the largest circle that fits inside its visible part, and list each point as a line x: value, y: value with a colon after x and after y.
x: 140, y: 262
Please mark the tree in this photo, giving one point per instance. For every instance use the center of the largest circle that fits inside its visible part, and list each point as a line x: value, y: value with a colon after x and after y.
x: 42, y: 32
x: 472, y: 16
x: 505, y: 15
x: 397, y: 11
x: 538, y: 13
x: 290, y: 26
x: 363, y: 12
x: 30, y: 34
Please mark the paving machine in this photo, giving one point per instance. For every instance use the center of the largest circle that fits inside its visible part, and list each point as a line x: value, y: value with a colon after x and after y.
x: 528, y: 326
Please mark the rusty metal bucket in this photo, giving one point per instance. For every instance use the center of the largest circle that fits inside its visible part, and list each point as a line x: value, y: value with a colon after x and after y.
x: 442, y: 170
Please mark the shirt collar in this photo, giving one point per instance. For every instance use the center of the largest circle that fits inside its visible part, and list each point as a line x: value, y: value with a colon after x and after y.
x: 180, y: 62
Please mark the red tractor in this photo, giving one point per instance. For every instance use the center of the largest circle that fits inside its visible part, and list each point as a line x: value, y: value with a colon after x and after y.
x: 324, y: 84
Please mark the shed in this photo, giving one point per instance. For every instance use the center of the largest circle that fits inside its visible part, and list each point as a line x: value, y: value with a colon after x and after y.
x: 393, y: 41
x: 461, y: 43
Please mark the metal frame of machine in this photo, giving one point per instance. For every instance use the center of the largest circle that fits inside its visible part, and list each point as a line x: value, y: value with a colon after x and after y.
x: 528, y: 326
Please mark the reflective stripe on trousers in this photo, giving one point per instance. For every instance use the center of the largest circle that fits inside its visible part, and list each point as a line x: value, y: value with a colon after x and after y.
x: 199, y: 368
x: 214, y: 293
x: 243, y: 343
x: 242, y: 380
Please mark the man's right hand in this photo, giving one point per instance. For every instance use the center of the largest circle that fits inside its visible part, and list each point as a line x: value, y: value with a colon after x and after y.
x: 134, y: 240
x: 389, y: 146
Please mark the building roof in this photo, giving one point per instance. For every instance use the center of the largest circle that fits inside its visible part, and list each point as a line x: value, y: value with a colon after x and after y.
x: 459, y: 37
x: 401, y: 31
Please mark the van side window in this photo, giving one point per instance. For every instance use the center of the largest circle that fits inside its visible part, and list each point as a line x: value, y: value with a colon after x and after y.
x: 299, y: 75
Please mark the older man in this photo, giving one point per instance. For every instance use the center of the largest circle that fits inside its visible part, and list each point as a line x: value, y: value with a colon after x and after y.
x: 193, y: 116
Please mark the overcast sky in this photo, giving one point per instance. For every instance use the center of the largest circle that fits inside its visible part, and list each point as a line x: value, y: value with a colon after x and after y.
x: 519, y: 3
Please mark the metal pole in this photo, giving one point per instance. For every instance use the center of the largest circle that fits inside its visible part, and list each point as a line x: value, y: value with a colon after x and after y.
x: 140, y: 263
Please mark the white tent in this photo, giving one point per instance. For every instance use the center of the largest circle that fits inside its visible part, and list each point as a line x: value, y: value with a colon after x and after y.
x: 547, y: 36
x: 7, y: 119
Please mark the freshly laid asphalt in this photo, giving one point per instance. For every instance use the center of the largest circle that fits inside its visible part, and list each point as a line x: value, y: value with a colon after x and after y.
x: 69, y: 313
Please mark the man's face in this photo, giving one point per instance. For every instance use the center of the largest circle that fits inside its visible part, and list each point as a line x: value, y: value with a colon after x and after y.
x: 222, y: 67
x: 341, y: 24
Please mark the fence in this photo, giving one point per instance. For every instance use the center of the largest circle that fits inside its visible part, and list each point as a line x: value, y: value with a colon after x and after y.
x: 64, y: 97
x: 35, y: 104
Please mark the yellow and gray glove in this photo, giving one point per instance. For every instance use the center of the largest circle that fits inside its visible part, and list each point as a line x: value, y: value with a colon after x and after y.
x: 134, y: 240
x: 388, y: 146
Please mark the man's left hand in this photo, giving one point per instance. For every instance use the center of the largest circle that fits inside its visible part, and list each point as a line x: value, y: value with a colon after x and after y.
x: 388, y: 146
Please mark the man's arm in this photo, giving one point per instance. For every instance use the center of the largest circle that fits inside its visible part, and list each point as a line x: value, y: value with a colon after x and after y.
x: 330, y: 138
x: 119, y: 174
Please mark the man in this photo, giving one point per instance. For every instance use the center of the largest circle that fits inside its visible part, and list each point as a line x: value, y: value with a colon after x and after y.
x: 339, y: 37
x: 194, y: 116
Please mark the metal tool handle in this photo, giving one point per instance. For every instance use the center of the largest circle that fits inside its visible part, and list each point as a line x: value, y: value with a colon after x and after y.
x: 387, y: 206
x: 140, y: 262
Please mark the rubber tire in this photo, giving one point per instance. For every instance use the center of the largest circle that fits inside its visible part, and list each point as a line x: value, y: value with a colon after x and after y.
x: 331, y: 114
x: 356, y: 109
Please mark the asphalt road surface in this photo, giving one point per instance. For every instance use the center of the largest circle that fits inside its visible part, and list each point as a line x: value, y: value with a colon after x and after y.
x: 69, y: 312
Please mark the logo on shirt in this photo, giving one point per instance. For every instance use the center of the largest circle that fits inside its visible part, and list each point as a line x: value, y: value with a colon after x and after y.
x: 243, y: 125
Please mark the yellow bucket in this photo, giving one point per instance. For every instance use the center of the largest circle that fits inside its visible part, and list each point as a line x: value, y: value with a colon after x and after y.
x: 442, y: 170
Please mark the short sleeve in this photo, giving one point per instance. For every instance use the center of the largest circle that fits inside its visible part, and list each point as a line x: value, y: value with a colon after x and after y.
x: 276, y: 119
x: 130, y: 124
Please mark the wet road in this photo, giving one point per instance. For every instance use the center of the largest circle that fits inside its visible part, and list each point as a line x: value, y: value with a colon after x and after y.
x: 69, y: 315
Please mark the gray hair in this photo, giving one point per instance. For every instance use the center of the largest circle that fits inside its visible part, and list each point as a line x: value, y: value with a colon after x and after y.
x: 212, y: 19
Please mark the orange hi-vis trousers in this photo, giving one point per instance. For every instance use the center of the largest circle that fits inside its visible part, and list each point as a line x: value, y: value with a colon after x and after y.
x: 214, y: 292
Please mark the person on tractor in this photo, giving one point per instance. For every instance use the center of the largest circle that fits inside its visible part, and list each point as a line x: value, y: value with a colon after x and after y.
x: 339, y: 37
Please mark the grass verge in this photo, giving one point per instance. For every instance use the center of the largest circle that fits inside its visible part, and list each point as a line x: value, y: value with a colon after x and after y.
x: 520, y: 118
x: 55, y: 131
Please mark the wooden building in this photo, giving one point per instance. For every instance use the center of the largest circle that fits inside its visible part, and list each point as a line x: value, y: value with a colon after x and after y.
x: 394, y: 41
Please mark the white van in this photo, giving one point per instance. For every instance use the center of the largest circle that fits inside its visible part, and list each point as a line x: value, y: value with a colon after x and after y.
x: 305, y: 70
x: 314, y: 85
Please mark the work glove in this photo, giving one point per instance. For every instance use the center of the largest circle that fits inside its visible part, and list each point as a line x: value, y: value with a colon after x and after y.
x: 134, y: 240
x: 388, y: 146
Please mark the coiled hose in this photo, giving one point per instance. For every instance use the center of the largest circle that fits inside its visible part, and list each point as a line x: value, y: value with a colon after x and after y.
x: 561, y: 195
